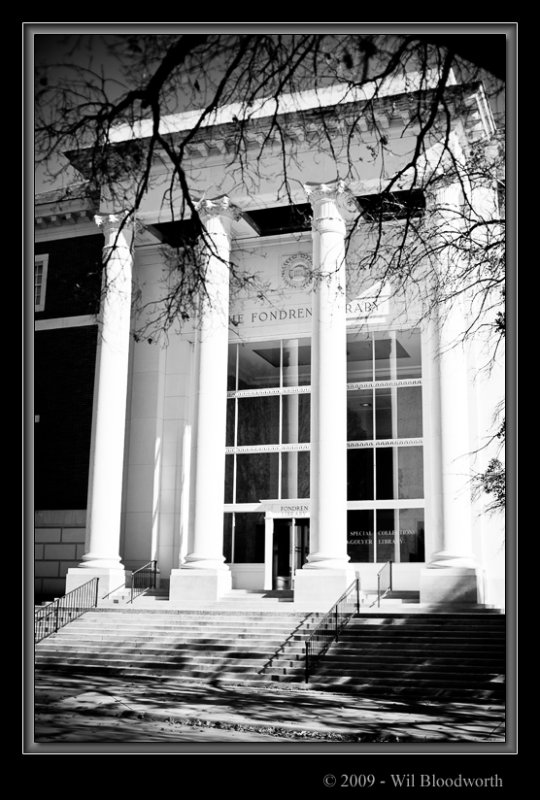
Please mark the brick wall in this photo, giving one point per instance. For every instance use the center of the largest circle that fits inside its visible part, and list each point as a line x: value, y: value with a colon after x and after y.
x: 59, y: 545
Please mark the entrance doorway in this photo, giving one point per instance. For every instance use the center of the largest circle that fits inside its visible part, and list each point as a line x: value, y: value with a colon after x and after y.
x: 290, y: 549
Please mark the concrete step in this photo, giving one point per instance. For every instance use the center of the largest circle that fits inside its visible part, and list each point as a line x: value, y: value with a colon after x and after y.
x: 194, y: 630
x: 229, y: 662
x: 170, y: 638
x: 397, y: 664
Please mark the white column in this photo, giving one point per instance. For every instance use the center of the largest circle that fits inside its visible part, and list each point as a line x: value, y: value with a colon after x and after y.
x: 204, y: 576
x: 268, y: 551
x: 104, y: 505
x: 327, y: 574
x: 451, y: 574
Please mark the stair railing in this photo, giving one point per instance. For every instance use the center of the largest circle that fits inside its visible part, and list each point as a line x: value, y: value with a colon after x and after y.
x: 331, y: 625
x: 137, y: 582
x: 143, y: 578
x: 384, y: 582
x: 50, y: 618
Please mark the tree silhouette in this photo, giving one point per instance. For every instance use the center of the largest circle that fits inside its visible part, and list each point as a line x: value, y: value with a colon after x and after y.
x: 106, y: 110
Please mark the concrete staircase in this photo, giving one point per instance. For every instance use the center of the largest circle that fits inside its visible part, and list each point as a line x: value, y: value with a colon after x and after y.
x: 417, y: 653
x: 211, y: 646
x: 458, y: 656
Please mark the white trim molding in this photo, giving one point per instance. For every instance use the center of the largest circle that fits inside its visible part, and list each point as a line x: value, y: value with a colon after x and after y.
x: 65, y: 322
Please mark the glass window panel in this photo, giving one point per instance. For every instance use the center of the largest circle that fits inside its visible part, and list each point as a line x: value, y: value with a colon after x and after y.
x: 408, y: 354
x: 294, y: 475
x: 360, y: 474
x: 385, y: 472
x: 384, y: 347
x: 360, y: 535
x: 359, y: 358
x: 359, y: 415
x: 296, y: 362
x: 256, y: 477
x: 248, y: 538
x: 230, y: 423
x: 227, y: 537
x: 387, y: 537
x: 258, y: 420
x: 383, y: 414
x: 231, y: 368
x: 409, y: 411
x: 229, y: 467
x: 411, y: 472
x: 258, y: 365
x: 296, y: 419
x: 411, y: 534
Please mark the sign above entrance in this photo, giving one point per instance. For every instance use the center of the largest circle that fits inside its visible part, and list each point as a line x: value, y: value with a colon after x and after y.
x: 286, y: 508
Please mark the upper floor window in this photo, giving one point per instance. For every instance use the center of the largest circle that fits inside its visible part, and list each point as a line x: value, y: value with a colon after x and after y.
x: 41, y: 264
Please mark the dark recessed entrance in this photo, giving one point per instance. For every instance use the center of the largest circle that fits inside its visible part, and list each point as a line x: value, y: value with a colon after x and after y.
x: 290, y: 551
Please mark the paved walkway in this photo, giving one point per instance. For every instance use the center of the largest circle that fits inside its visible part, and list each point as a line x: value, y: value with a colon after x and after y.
x: 78, y: 708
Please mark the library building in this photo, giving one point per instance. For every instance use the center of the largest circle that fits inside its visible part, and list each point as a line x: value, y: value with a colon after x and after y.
x: 309, y: 424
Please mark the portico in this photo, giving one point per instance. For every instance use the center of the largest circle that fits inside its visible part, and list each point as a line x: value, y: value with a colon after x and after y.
x: 279, y: 475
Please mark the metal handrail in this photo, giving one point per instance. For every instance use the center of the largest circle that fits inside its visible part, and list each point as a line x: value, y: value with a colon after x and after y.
x: 59, y: 612
x: 143, y: 579
x: 384, y: 582
x: 331, y: 625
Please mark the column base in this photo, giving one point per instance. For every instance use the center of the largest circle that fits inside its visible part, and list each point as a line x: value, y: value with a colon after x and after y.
x: 109, y: 579
x: 318, y: 589
x: 451, y: 585
x: 199, y: 586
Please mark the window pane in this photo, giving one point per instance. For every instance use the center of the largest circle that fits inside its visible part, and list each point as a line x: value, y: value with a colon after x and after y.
x: 227, y: 537
x: 408, y: 354
x: 294, y: 475
x: 387, y: 538
x: 229, y: 465
x: 411, y: 534
x: 385, y: 472
x: 360, y: 474
x: 230, y: 423
x: 411, y: 472
x: 359, y: 358
x: 258, y: 365
x: 248, y: 538
x: 383, y: 414
x: 383, y: 355
x: 296, y: 420
x: 296, y: 362
x: 256, y: 477
x: 360, y: 535
x: 409, y: 407
x: 231, y: 369
x: 359, y: 415
x: 258, y: 420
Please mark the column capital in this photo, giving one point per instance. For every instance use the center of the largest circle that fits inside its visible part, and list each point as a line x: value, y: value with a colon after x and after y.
x: 325, y: 191
x: 113, y: 224
x: 114, y: 220
x: 218, y: 206
x: 331, y: 201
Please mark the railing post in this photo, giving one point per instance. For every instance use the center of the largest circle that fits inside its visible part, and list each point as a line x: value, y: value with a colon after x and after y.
x: 131, y: 588
x: 390, y: 580
x: 56, y: 615
x: 154, y: 574
x: 96, y: 594
x: 378, y: 590
x: 336, y: 621
x: 358, y: 595
x: 307, y: 663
